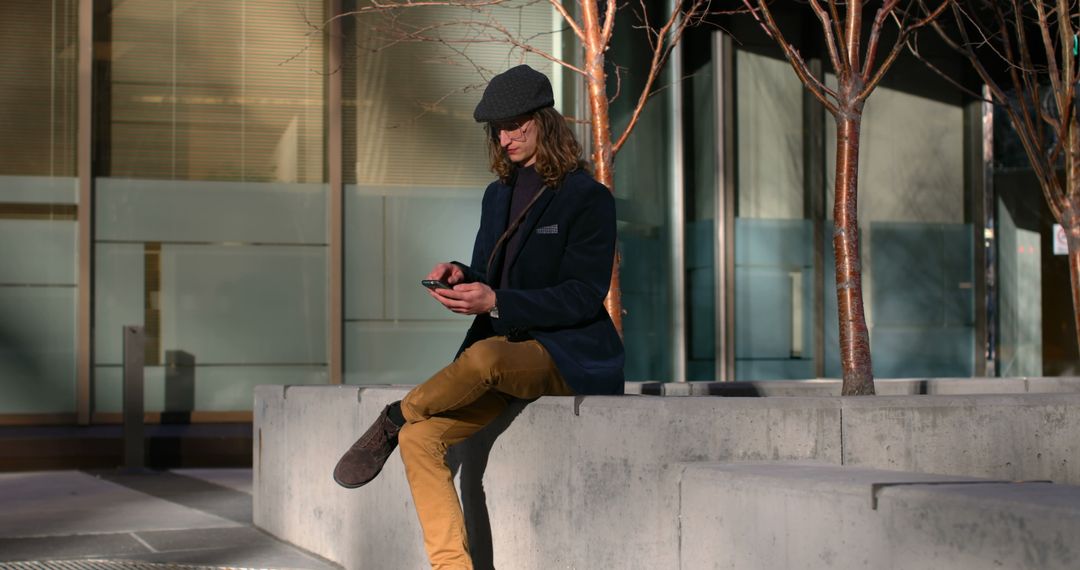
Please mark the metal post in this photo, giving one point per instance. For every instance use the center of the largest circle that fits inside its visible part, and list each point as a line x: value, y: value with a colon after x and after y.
x: 336, y: 202
x: 814, y: 208
x: 724, y: 60
x: 986, y: 245
x: 179, y: 387
x: 677, y: 220
x: 84, y: 157
x: 134, y: 443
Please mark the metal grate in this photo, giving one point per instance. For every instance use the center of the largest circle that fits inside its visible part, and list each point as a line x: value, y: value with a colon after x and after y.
x: 105, y: 565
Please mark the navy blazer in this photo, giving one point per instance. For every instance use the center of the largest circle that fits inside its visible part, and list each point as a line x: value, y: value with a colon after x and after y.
x: 557, y: 282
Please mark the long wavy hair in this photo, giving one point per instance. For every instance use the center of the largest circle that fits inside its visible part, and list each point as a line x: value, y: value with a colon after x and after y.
x: 557, y: 150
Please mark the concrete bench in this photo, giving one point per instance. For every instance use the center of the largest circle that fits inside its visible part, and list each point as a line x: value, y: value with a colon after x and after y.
x: 594, y: 482
x: 806, y: 516
x: 883, y: 387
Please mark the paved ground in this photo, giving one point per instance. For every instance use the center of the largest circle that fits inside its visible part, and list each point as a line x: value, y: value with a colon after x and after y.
x: 190, y: 517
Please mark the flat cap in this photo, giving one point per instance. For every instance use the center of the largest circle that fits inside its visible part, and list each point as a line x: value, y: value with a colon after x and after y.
x: 516, y: 91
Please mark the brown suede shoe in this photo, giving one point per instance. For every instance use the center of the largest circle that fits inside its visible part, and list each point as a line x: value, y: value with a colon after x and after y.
x: 363, y: 461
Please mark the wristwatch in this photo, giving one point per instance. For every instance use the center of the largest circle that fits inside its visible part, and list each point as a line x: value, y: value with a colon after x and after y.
x: 494, y: 312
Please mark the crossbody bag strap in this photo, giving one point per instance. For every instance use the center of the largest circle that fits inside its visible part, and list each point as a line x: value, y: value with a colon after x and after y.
x: 511, y: 229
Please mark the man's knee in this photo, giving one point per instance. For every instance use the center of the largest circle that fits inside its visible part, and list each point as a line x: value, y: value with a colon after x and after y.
x: 421, y: 438
x: 483, y: 358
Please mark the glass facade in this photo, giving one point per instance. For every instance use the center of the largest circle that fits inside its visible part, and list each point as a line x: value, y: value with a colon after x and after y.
x: 643, y: 196
x: 703, y: 191
x: 211, y: 201
x: 38, y: 206
x: 1036, y: 334
x: 916, y: 227
x: 415, y: 170
x: 916, y: 236
x: 774, y: 238
x: 217, y: 204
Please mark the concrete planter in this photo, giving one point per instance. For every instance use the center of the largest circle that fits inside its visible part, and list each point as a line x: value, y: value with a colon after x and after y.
x: 594, y: 482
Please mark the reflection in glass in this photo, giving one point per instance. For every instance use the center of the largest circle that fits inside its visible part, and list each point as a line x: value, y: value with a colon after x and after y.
x: 774, y: 245
x: 916, y: 239
x: 1020, y: 282
x: 214, y: 91
x: 416, y: 166
x: 211, y: 206
x: 700, y: 144
x: 38, y: 206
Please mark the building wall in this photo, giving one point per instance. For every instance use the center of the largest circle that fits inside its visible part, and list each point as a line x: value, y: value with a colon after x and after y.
x: 212, y: 205
x: 38, y: 207
x: 916, y: 249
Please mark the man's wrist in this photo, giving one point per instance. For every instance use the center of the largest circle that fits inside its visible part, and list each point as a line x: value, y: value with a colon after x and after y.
x: 493, y: 312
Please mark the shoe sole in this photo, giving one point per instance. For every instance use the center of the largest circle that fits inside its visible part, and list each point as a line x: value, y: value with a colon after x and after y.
x: 357, y: 485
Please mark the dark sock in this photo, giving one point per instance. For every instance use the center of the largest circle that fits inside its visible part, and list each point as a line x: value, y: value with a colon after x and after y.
x: 395, y: 415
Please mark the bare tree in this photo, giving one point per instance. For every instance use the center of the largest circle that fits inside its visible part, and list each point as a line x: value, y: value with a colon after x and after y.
x: 592, y: 24
x: 857, y: 74
x: 1025, y: 52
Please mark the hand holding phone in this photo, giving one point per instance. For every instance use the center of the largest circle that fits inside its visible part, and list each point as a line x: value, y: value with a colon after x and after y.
x: 435, y: 284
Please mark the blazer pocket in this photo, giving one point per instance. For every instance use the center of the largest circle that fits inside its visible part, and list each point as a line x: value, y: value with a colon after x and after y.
x: 553, y: 229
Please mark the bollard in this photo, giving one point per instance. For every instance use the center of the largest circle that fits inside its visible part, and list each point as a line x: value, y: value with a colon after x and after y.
x: 134, y: 443
x: 179, y: 387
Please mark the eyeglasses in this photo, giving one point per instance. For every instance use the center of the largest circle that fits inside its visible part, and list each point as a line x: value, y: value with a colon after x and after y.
x: 514, y: 128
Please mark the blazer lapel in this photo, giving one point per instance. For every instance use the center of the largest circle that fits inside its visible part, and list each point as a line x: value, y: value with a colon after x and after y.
x: 529, y: 225
x: 500, y: 211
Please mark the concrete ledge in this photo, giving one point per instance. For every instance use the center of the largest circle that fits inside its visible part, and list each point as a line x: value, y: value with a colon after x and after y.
x: 300, y: 432
x: 886, y: 387
x: 1030, y: 436
x: 541, y: 475
x: 801, y: 516
x: 593, y: 482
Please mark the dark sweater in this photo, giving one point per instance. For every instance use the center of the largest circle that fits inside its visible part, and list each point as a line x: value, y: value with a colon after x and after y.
x: 526, y: 185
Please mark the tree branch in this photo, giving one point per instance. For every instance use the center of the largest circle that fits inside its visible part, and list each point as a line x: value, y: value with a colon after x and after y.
x: 570, y: 21
x: 1025, y: 113
x: 502, y: 35
x: 819, y: 90
x: 661, y: 50
x: 854, y: 33
x: 832, y: 30
x: 609, y: 23
x: 904, y: 32
x: 875, y: 37
x: 959, y: 86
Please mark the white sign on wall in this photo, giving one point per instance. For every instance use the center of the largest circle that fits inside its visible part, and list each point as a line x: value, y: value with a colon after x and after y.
x: 1061, y: 245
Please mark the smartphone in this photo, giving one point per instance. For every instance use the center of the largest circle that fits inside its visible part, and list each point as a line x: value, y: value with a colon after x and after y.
x: 435, y: 284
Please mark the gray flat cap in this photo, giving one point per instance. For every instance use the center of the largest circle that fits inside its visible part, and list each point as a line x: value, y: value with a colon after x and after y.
x: 516, y: 91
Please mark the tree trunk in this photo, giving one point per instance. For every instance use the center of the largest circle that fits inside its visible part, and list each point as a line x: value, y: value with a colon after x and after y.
x: 854, y: 338
x: 1070, y: 221
x: 596, y: 89
x: 1072, y: 234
